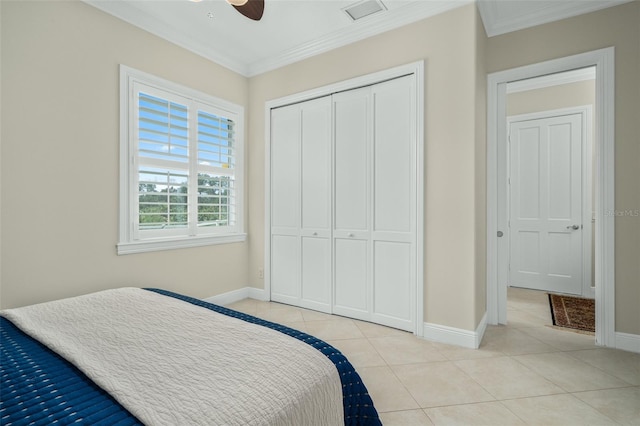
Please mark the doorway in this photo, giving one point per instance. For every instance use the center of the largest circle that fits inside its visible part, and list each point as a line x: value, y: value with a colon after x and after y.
x: 497, y: 185
x: 549, y: 194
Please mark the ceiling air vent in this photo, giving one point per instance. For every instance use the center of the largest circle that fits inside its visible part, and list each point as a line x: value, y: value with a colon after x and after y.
x: 364, y: 8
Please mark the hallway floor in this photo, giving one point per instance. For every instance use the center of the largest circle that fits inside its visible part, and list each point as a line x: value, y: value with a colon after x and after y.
x: 523, y: 373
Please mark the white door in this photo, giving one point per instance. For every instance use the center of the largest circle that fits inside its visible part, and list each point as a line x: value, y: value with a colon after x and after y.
x: 285, y: 202
x: 315, y: 160
x: 301, y: 204
x: 394, y: 198
x: 351, y: 233
x: 545, y: 200
x: 375, y: 203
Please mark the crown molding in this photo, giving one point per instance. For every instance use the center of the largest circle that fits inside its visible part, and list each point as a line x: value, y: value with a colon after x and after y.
x: 495, y: 21
x: 367, y: 27
x: 127, y: 12
x: 532, y: 14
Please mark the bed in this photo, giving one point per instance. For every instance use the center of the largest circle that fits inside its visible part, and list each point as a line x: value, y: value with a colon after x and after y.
x: 149, y: 356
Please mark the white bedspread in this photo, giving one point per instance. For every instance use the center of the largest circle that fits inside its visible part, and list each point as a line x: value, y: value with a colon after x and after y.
x: 173, y: 363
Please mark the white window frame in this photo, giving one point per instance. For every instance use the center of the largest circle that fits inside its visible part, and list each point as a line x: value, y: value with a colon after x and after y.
x: 130, y: 239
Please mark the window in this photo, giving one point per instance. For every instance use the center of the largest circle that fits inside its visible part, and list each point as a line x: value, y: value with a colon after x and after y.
x: 181, y: 156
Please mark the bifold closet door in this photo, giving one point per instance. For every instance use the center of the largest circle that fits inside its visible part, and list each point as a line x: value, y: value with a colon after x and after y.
x: 394, y: 204
x: 375, y: 203
x: 352, y: 200
x: 301, y: 204
x: 343, y: 203
x: 316, y: 204
x: 285, y: 204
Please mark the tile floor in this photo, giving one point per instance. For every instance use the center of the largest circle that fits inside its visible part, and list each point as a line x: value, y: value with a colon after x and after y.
x: 523, y: 373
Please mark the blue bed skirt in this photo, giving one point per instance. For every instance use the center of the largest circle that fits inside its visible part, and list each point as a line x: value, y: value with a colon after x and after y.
x: 40, y: 388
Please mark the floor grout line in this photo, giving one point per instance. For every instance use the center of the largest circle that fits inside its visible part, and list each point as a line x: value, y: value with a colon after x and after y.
x: 522, y: 310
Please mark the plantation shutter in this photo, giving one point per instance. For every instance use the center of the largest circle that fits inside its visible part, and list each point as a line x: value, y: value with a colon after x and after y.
x: 216, y: 168
x: 186, y: 181
x: 163, y: 163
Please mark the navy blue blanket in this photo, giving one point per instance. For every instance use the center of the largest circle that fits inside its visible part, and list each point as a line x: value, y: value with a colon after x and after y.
x: 39, y: 387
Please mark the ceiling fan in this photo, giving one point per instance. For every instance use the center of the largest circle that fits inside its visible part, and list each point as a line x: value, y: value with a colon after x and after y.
x: 252, y: 9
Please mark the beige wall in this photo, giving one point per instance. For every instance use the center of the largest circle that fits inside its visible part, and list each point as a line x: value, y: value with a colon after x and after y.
x: 447, y: 45
x: 619, y: 27
x: 60, y: 130
x: 550, y: 98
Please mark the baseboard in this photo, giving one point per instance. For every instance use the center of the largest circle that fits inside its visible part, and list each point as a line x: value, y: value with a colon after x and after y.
x: 434, y: 332
x: 237, y: 295
x: 482, y: 327
x: 258, y: 294
x: 628, y: 342
x: 456, y: 336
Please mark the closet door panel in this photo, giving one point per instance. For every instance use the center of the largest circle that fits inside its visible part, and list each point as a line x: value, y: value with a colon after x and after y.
x: 316, y: 273
x: 285, y: 160
x: 316, y: 204
x: 351, y: 124
x: 285, y: 204
x: 316, y: 164
x: 392, y: 283
x: 285, y: 264
x: 351, y: 273
x: 352, y: 141
x: 394, y: 158
x: 394, y: 204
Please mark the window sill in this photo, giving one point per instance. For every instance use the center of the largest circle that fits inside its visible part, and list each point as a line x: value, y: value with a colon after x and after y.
x: 177, y: 243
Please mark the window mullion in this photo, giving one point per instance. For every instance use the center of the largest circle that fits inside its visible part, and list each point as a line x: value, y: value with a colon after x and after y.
x: 193, y: 169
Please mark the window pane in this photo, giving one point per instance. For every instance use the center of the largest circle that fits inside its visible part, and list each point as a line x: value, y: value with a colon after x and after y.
x: 215, y: 200
x: 215, y: 141
x: 162, y: 198
x: 163, y: 129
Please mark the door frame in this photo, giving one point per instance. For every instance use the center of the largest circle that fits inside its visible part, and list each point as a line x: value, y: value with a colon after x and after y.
x: 604, y: 61
x: 586, y: 161
x: 417, y: 70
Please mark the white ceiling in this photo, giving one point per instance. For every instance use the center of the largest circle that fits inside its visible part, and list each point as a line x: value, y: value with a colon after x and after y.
x: 291, y: 30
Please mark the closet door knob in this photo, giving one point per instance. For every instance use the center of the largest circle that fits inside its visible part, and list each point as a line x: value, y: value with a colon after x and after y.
x: 350, y: 235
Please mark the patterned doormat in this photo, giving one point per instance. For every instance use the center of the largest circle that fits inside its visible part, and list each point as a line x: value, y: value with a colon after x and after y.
x: 573, y: 312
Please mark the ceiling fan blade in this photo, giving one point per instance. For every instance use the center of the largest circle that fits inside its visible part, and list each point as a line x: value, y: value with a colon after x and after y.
x: 252, y: 9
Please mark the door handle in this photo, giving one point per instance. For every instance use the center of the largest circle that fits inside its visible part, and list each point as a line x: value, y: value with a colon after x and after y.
x: 574, y: 227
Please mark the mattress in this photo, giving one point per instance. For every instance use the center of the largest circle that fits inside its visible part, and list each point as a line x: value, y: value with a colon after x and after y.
x: 39, y: 386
